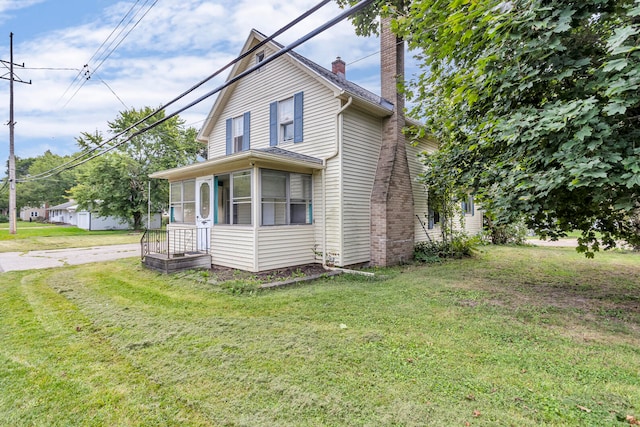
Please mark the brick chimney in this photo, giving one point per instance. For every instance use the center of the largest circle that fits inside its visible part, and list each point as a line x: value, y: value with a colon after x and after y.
x: 392, y: 224
x: 339, y: 67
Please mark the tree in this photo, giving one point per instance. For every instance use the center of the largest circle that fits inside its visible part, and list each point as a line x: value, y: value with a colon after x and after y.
x: 51, y: 190
x: 116, y: 183
x: 366, y: 21
x: 536, y: 104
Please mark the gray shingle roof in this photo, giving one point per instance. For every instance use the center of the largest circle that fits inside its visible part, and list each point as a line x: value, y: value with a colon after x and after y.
x: 289, y: 154
x: 64, y: 205
x: 349, y: 87
x: 343, y: 83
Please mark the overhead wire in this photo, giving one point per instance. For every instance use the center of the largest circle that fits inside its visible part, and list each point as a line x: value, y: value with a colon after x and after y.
x: 80, y: 158
x: 91, y: 72
x: 78, y: 76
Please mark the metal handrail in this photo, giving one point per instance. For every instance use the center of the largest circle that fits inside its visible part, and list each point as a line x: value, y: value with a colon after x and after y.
x: 175, y: 241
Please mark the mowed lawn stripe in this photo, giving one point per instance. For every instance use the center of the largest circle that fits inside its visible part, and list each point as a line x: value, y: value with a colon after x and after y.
x: 515, y: 336
x: 57, y: 367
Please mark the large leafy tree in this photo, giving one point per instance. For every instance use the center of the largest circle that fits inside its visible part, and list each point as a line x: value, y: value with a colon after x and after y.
x: 116, y: 183
x: 536, y: 104
x: 37, y: 187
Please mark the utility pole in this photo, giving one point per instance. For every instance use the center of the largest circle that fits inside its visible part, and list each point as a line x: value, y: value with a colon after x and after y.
x: 12, y: 158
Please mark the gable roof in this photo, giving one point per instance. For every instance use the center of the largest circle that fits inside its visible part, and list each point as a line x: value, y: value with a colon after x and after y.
x: 338, y: 84
x: 64, y: 205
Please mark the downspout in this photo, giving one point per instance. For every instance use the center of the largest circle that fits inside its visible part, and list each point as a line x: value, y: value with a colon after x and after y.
x: 335, y: 152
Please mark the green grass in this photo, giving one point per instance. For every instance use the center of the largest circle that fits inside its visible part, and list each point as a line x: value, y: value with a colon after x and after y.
x: 32, y: 235
x: 517, y: 336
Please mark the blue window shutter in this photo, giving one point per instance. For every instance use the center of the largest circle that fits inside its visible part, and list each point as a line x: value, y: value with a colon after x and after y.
x: 246, y: 131
x: 273, y: 124
x: 297, y: 116
x: 430, y: 219
x: 473, y: 205
x: 229, y: 138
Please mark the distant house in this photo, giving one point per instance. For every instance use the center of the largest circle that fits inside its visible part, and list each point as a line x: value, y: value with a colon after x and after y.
x: 64, y: 213
x: 305, y: 166
x: 29, y: 213
x: 68, y: 213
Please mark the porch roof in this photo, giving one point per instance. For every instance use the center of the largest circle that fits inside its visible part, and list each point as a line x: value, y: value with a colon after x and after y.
x: 271, y: 157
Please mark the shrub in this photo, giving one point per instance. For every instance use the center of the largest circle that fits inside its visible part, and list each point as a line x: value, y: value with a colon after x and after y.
x: 458, y: 246
x: 503, y: 234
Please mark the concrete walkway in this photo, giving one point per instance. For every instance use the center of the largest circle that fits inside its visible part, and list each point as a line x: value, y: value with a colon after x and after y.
x: 14, y: 261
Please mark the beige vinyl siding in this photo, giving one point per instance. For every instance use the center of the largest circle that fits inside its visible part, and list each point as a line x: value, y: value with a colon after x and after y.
x: 232, y: 246
x: 420, y: 198
x: 473, y: 223
x: 318, y: 219
x: 285, y: 246
x: 333, y: 224
x: 362, y: 139
x: 279, y: 80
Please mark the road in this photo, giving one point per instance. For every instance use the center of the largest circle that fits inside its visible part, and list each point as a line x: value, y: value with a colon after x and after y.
x: 15, y: 261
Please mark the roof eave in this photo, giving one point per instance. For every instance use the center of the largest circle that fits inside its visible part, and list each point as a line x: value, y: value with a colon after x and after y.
x: 237, y: 161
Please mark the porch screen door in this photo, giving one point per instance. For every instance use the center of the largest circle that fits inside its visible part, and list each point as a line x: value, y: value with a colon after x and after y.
x: 204, y: 212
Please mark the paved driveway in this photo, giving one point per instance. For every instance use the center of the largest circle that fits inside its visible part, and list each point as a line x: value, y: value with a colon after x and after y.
x: 13, y: 261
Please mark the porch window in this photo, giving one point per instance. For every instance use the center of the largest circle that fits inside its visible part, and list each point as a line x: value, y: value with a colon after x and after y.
x: 241, y: 190
x: 286, y: 198
x: 182, y: 204
x: 233, y: 198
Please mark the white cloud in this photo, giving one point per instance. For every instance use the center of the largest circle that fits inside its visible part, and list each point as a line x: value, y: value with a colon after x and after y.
x: 177, y: 44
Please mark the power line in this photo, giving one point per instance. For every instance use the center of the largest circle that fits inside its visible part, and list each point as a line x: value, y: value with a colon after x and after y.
x: 102, y: 57
x: 77, y: 69
x: 90, y: 74
x: 79, y: 160
x: 78, y: 76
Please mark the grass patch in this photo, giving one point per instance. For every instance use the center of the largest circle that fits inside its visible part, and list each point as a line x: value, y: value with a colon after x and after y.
x: 30, y: 236
x: 516, y: 336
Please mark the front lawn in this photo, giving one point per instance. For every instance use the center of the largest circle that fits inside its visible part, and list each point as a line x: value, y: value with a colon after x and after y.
x: 517, y: 336
x: 40, y: 236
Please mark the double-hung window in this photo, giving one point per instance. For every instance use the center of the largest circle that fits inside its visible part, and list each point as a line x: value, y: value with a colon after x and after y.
x: 238, y: 133
x: 183, y: 202
x: 468, y: 206
x: 286, y: 120
x: 286, y: 198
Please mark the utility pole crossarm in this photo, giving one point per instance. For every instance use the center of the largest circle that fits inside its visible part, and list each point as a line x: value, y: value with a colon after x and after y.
x: 7, y: 76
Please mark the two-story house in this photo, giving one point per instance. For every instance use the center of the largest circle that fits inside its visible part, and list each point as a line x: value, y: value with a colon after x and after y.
x: 305, y: 167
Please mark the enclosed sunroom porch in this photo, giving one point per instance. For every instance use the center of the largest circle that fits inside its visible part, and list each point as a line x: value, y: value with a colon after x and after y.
x: 254, y: 210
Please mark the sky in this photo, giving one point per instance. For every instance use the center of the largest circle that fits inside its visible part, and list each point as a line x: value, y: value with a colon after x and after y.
x: 142, y: 53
